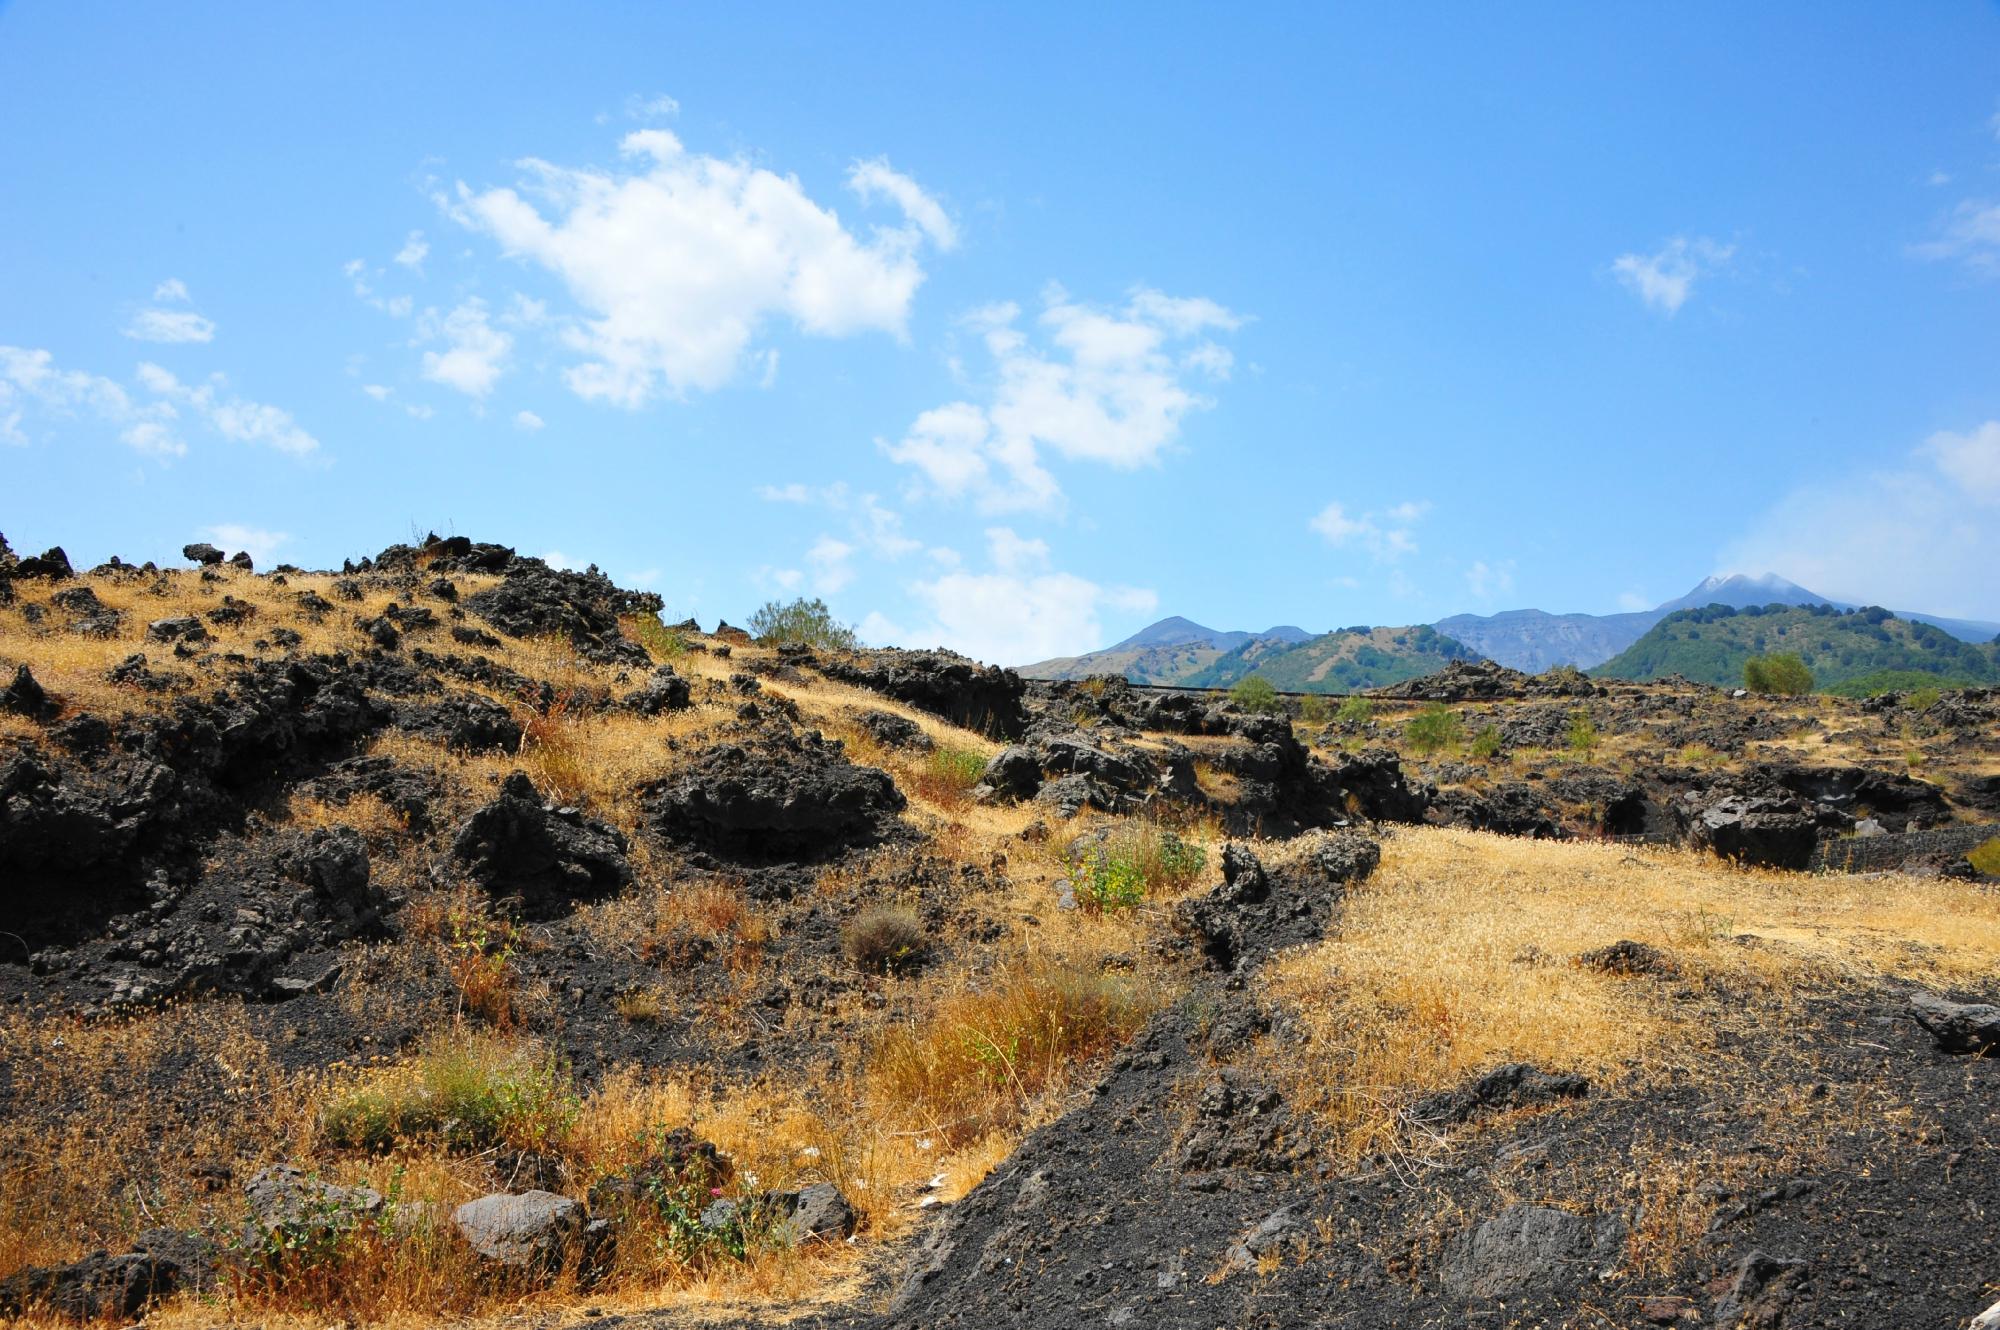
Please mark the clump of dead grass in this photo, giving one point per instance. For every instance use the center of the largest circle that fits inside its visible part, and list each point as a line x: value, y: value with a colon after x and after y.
x: 696, y: 921
x: 985, y: 1050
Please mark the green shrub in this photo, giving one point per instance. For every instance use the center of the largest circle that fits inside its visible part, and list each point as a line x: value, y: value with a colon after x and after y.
x: 1782, y: 673
x: 1987, y: 858
x: 806, y: 622
x: 1254, y: 694
x: 1582, y: 732
x: 464, y: 1092
x: 1355, y: 710
x: 1923, y: 699
x: 1132, y: 864
x: 1315, y: 710
x: 1486, y: 743
x: 1434, y: 728
x: 947, y: 774
x: 663, y: 642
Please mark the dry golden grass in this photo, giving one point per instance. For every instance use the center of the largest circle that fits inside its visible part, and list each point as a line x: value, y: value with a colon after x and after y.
x: 987, y: 1049
x: 1455, y: 957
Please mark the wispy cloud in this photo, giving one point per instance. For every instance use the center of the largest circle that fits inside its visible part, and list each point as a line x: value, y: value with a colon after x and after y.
x: 1665, y: 279
x: 170, y: 318
x: 1386, y: 535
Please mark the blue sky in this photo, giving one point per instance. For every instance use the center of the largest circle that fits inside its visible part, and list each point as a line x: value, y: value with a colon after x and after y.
x: 1015, y: 328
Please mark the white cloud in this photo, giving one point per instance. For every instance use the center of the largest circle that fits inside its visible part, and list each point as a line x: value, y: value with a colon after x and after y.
x: 562, y: 562
x: 1971, y: 460
x: 380, y: 392
x: 412, y: 254
x: 878, y: 178
x: 259, y: 544
x: 1013, y: 554
x: 660, y: 107
x: 159, y: 323
x: 1013, y: 619
x: 1633, y: 601
x: 31, y: 378
x: 678, y: 263
x: 420, y: 411
x: 528, y: 420
x: 477, y: 351
x: 1385, y: 535
x: 1938, y: 178
x: 1923, y: 535
x: 1487, y: 580
x: 829, y: 559
x: 792, y: 493
x: 234, y: 418
x: 1971, y: 234
x: 1665, y: 279
x: 1105, y: 387
x: 396, y: 307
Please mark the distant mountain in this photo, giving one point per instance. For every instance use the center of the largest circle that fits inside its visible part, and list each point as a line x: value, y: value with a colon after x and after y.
x: 1170, y: 651
x: 1534, y: 641
x: 1846, y: 649
x: 1343, y: 661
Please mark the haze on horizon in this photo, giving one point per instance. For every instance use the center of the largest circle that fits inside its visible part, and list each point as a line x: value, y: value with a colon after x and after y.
x: 1015, y: 330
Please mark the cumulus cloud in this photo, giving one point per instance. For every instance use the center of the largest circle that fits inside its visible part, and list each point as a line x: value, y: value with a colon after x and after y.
x: 877, y: 179
x: 475, y: 354
x: 1921, y: 535
x: 1090, y: 384
x: 1665, y: 278
x: 261, y: 545
x: 528, y: 420
x: 1386, y: 535
x: 829, y: 560
x: 792, y: 493
x: 170, y: 318
x: 1970, y: 234
x: 1018, y: 612
x: 381, y: 392
x: 680, y: 261
x: 413, y: 252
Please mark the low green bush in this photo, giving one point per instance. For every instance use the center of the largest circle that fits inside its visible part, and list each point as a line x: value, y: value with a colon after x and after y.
x: 465, y: 1092
x: 1433, y: 729
x: 1254, y: 693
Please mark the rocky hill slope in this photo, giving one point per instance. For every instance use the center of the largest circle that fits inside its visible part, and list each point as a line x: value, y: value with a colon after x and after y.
x: 1343, y: 661
x: 445, y: 937
x: 1842, y: 648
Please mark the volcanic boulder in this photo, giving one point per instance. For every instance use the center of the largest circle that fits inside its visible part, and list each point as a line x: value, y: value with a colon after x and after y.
x: 1769, y: 831
x: 782, y: 797
x: 978, y: 697
x: 549, y: 857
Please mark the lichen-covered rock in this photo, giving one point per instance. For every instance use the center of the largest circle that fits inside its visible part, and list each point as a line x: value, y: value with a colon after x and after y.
x: 526, y: 1231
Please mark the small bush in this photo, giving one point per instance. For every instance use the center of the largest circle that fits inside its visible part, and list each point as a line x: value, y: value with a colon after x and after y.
x: 886, y: 939
x: 1138, y: 862
x: 1434, y: 728
x: 1923, y: 699
x: 663, y: 642
x: 1355, y: 711
x: 805, y: 622
x: 464, y: 1092
x: 1253, y: 693
x: 1987, y: 858
x: 947, y: 774
x: 1782, y: 673
x: 1486, y: 743
x: 1315, y: 710
x: 1582, y: 735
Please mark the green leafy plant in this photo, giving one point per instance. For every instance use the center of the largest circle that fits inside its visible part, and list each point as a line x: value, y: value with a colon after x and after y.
x: 1142, y: 861
x: 1254, y: 694
x: 464, y: 1092
x: 1783, y: 673
x: 1987, y: 857
x: 1923, y: 699
x: 1582, y: 735
x: 1486, y: 743
x: 1434, y: 728
x: 804, y: 622
x: 1315, y: 710
x: 1355, y: 710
